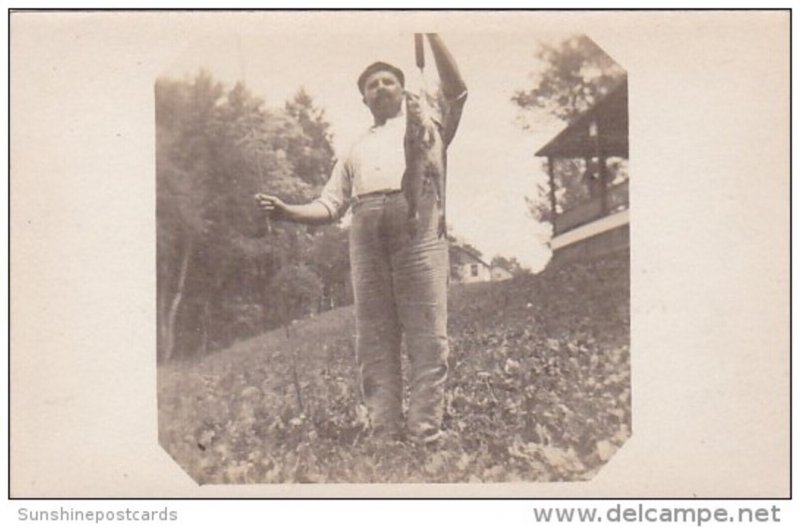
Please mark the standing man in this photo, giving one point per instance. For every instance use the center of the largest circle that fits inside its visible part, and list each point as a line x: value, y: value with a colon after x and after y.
x: 399, y: 280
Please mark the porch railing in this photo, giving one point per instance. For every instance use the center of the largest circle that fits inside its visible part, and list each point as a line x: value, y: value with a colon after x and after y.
x: 616, y: 199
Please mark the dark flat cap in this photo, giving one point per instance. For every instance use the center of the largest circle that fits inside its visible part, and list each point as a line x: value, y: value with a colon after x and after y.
x: 380, y: 66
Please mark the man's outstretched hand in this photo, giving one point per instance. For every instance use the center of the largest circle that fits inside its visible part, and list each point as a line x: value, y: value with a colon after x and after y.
x: 272, y: 205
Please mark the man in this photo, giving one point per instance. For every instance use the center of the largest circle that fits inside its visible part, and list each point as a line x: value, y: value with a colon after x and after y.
x: 399, y: 280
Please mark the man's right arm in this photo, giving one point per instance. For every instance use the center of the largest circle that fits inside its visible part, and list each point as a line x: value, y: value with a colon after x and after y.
x: 314, y: 213
x: 326, y: 209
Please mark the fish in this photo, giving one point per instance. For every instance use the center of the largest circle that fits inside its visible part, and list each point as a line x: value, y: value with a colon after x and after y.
x: 425, y: 162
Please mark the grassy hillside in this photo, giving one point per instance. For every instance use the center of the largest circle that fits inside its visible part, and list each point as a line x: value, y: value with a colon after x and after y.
x: 539, y: 390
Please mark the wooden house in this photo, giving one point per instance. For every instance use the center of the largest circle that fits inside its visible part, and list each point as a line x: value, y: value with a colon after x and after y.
x: 599, y: 224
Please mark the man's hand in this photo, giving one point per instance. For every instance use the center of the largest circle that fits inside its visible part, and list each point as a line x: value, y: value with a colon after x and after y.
x: 314, y: 213
x: 272, y: 205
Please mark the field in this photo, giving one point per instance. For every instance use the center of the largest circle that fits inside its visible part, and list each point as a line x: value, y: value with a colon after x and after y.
x: 539, y: 390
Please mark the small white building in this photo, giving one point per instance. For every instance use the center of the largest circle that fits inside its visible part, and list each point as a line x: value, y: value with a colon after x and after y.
x: 467, y: 267
x: 500, y: 273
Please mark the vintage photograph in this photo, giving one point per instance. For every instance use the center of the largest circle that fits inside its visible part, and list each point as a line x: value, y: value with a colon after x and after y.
x: 399, y: 253
x: 393, y: 259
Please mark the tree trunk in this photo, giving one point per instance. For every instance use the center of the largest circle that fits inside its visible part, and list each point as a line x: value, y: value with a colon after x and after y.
x: 172, y: 316
x: 161, y: 317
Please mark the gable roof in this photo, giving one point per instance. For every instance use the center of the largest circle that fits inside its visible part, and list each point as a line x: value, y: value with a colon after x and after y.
x: 472, y: 255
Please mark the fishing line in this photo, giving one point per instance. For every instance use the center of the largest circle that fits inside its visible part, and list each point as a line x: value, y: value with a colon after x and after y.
x: 252, y: 130
x: 419, y: 55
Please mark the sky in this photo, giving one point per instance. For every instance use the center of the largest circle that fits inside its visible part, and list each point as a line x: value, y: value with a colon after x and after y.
x: 491, y: 162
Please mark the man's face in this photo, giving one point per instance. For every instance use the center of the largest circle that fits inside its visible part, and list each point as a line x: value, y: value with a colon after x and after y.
x: 383, y: 94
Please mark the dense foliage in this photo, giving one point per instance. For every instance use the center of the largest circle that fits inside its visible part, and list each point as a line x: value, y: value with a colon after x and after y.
x: 539, y: 390
x: 223, y: 270
x: 572, y: 75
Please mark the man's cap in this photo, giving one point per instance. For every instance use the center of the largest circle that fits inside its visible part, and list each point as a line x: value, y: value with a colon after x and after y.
x: 380, y: 66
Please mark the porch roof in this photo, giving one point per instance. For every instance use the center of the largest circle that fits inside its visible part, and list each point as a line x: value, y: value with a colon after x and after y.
x: 610, y: 116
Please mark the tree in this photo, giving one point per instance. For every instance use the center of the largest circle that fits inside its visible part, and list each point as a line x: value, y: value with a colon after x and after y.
x: 298, y: 290
x: 572, y: 76
x: 509, y: 264
x: 215, y: 148
x: 312, y: 151
x: 181, y: 168
x: 330, y: 260
x: 570, y: 189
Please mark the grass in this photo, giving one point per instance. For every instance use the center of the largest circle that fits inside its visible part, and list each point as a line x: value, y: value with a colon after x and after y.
x: 539, y: 390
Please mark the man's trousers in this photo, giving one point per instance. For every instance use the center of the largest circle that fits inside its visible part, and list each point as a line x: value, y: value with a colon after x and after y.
x: 400, y: 289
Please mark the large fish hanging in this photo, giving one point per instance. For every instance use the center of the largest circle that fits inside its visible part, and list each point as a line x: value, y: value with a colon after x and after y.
x: 424, y: 153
